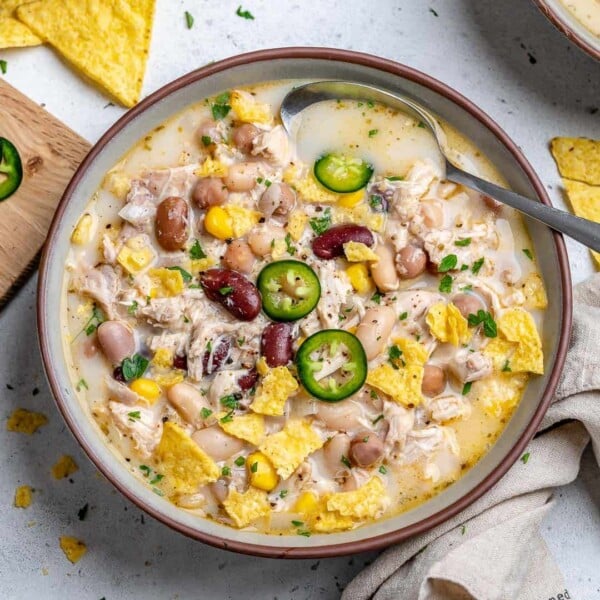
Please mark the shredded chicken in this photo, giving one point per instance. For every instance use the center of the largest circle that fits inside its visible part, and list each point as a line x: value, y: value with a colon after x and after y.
x: 335, y: 293
x: 103, y: 285
x: 120, y: 392
x: 144, y: 431
x: 273, y: 145
x: 447, y: 408
x: 470, y: 366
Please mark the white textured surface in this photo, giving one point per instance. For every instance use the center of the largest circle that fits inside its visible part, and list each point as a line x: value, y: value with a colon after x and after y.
x: 504, y: 56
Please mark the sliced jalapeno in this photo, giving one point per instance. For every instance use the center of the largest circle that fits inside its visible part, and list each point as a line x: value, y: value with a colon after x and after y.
x: 341, y: 173
x: 290, y: 289
x: 332, y: 364
x: 11, y: 169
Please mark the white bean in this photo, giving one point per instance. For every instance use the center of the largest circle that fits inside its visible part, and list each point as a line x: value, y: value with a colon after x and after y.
x: 337, y: 447
x: 188, y: 401
x: 216, y: 443
x: 241, y: 177
x: 384, y: 271
x: 342, y: 416
x: 239, y: 257
x: 375, y: 328
x: 260, y: 239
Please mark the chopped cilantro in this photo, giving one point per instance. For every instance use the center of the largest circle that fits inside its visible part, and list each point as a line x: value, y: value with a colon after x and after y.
x: 506, y: 368
x: 376, y: 297
x: 448, y: 263
x: 134, y: 415
x: 289, y: 246
x: 82, y: 383
x: 373, y: 132
x: 421, y: 125
x: 283, y: 493
x: 433, y: 12
x: 527, y: 252
x: 297, y: 523
x: 227, y: 418
x: 321, y: 224
x: 375, y: 202
x: 268, y: 183
x: 446, y: 284
x: 254, y: 467
x: 133, y: 367
x: 3, y: 66
x: 463, y: 243
x: 240, y: 461
x: 245, y: 14
x: 464, y: 267
x: 467, y: 388
x: 483, y: 317
x: 466, y: 288
x: 394, y: 354
x: 395, y: 178
x: 132, y: 307
x: 382, y: 470
x: 205, y: 412
x: 189, y: 20
x: 226, y: 471
x: 96, y: 319
x: 230, y: 401
x: 463, y: 528
x: 525, y: 457
x: 226, y: 290
x: 377, y: 419
x: 187, y: 277
x: 157, y: 479
x: 403, y: 316
x: 370, y: 104
x: 206, y: 140
x: 477, y: 265
x: 304, y: 532
x: 145, y: 470
x: 344, y: 460
x: 220, y: 109
x: 158, y: 492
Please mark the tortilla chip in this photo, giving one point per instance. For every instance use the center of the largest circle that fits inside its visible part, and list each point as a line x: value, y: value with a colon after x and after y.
x: 107, y: 40
x: 65, y: 467
x: 23, y: 496
x: 585, y: 200
x: 14, y: 34
x: 247, y: 507
x: 402, y: 385
x: 73, y: 548
x: 517, y: 325
x: 447, y: 324
x: 577, y: 158
x: 366, y: 502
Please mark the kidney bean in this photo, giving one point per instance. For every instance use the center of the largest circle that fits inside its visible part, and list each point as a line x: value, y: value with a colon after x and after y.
x: 213, y: 360
x: 233, y: 291
x: 180, y: 362
x: 172, y: 223
x: 116, y: 340
x: 276, y: 344
x: 248, y: 380
x: 118, y: 374
x: 411, y: 261
x: 331, y: 243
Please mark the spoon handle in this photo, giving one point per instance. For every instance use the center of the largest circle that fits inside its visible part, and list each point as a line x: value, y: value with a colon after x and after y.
x: 584, y: 231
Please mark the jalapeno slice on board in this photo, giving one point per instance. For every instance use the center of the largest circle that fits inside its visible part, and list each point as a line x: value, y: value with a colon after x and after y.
x: 341, y: 173
x: 290, y: 289
x: 11, y: 169
x: 332, y: 364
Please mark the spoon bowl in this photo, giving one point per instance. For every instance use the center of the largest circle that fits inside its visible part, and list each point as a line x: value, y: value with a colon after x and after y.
x: 584, y: 231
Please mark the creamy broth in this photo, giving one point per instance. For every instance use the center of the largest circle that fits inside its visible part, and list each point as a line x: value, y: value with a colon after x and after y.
x: 587, y: 12
x: 432, y: 306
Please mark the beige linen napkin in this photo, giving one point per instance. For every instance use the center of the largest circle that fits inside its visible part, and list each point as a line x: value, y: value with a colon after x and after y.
x: 493, y: 550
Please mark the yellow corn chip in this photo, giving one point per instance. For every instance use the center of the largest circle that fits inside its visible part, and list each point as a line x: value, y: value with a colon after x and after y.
x: 183, y: 463
x: 577, y: 158
x: 73, y: 548
x: 296, y: 224
x: 499, y: 392
x: 367, y: 502
x: 412, y: 351
x: 517, y: 325
x: 243, y: 219
x: 326, y: 521
x: 248, y: 110
x: 276, y: 387
x: 64, y: 467
x: 25, y: 421
x: 250, y: 427
x: 247, y: 507
x: 358, y: 252
x: 534, y: 291
x: 13, y: 34
x: 23, y: 496
x: 107, y: 40
x: 403, y: 385
x: 287, y: 448
x: 500, y: 351
x: 585, y: 200
x: 447, y: 324
x: 308, y: 187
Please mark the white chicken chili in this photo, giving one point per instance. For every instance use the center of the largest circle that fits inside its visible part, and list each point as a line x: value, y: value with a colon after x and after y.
x: 298, y: 335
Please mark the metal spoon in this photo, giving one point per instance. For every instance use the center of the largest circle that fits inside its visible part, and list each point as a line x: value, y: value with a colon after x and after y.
x: 582, y: 230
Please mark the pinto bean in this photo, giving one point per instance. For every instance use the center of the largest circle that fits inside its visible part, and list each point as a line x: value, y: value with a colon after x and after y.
x: 374, y: 329
x: 209, y: 129
x: 233, y: 291
x: 210, y: 191
x: 384, y: 271
x: 117, y: 340
x: 276, y: 344
x: 336, y: 447
x: 342, y: 416
x: 277, y: 199
x: 260, y: 239
x: 244, y: 135
x: 216, y: 443
x: 214, y: 359
x: 411, y: 262
x: 434, y: 380
x: 239, y: 257
x: 188, y: 401
x: 172, y: 223
x: 366, y: 449
x: 331, y: 243
x: 242, y: 176
x: 467, y: 304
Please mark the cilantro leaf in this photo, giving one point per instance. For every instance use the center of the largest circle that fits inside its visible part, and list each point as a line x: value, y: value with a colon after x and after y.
x: 220, y: 109
x: 3, y: 66
x: 467, y: 388
x: 477, y: 265
x: 448, y: 263
x: 133, y: 367
x: 321, y: 224
x: 187, y: 277
x: 446, y: 284
x: 291, y: 249
x: 196, y: 251
x: 527, y: 252
x: 463, y: 243
x: 484, y: 318
x: 245, y: 14
x: 189, y: 20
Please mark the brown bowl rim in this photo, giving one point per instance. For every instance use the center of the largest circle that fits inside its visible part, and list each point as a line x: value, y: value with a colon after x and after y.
x: 383, y: 540
x: 566, y: 29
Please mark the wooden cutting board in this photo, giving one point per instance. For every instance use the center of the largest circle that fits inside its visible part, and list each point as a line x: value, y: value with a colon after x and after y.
x: 50, y: 153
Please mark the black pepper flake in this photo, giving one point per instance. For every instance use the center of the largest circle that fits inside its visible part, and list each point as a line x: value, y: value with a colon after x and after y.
x: 532, y: 58
x: 35, y: 391
x: 82, y: 512
x: 9, y: 387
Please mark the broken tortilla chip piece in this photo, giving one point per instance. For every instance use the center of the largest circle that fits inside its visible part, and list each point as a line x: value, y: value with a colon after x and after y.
x: 577, y: 158
x: 26, y: 421
x: 73, y: 548
x: 23, y: 496
x: 13, y: 34
x: 107, y: 40
x: 585, y: 200
x: 64, y: 467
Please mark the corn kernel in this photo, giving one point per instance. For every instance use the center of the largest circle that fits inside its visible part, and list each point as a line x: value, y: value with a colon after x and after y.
x: 163, y: 357
x: 218, y: 223
x: 133, y: 261
x: 147, y: 389
x: 352, y: 199
x: 202, y: 264
x: 83, y: 230
x: 242, y: 219
x: 307, y: 502
x: 261, y: 472
x: 261, y: 366
x: 359, y: 277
